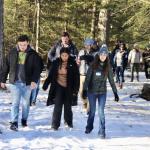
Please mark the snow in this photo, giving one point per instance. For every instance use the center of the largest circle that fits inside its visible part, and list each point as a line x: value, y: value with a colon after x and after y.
x: 127, y: 124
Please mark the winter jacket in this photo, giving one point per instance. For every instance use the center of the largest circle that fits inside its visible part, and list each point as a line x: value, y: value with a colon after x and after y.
x: 135, y: 56
x: 86, y: 59
x: 121, y: 59
x: 54, y: 52
x: 95, y: 81
x: 73, y: 79
x: 33, y: 66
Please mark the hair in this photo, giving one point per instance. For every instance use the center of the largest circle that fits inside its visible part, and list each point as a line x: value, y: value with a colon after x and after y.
x: 23, y: 38
x: 64, y: 34
x: 97, y: 61
x: 64, y: 50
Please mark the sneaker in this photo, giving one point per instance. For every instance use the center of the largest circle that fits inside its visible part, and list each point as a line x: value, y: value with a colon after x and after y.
x: 14, y: 126
x: 24, y: 123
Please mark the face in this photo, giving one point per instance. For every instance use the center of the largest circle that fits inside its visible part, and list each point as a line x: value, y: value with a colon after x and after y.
x: 88, y: 47
x: 102, y: 57
x: 64, y: 57
x: 65, y: 40
x: 23, y: 45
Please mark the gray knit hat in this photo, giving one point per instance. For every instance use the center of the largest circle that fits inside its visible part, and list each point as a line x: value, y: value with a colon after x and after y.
x: 103, y: 49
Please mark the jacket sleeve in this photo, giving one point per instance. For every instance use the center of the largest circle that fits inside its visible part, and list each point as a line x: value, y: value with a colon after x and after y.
x: 111, y: 80
x: 76, y: 78
x: 5, y: 69
x: 49, y: 78
x: 51, y: 53
x: 37, y: 68
x: 88, y: 78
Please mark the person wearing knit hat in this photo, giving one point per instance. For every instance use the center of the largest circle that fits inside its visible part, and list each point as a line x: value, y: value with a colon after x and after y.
x: 95, y: 86
x: 88, y: 42
x: 85, y: 58
x: 103, y: 50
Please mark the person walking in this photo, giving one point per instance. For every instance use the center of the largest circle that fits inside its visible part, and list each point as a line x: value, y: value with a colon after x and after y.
x: 135, y: 59
x: 23, y: 66
x: 85, y: 58
x: 65, y: 41
x: 64, y: 79
x: 96, y: 88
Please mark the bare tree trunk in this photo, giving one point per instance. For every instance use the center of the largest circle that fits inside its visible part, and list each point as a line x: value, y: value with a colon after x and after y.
x: 103, y: 23
x: 37, y: 25
x: 1, y: 33
x: 94, y: 18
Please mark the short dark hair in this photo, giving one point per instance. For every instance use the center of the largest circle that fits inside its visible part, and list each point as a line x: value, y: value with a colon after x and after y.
x: 65, y: 50
x: 65, y: 34
x: 23, y: 38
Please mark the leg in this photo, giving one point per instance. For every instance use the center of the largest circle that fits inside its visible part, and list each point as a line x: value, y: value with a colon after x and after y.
x: 101, y: 107
x: 90, y: 121
x: 68, y: 115
x: 58, y: 107
x: 26, y: 92
x: 85, y: 101
x: 132, y: 72
x: 16, y: 97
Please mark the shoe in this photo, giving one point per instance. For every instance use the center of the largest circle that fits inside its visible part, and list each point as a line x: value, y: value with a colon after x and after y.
x: 24, y: 123
x: 14, y: 126
x: 87, y: 131
x: 33, y: 104
x: 102, y: 134
x: 121, y: 86
x: 54, y: 128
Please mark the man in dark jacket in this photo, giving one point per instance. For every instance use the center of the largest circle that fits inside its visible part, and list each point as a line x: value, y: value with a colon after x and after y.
x: 65, y: 41
x: 24, y: 67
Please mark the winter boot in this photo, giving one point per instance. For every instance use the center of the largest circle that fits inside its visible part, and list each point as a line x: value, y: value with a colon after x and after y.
x: 14, y: 126
x: 102, y: 134
x: 24, y: 123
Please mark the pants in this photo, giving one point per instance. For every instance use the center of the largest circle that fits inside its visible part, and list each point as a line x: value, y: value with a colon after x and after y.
x: 120, y: 74
x: 20, y: 90
x: 101, y: 105
x: 85, y: 101
x: 62, y: 98
x: 135, y: 67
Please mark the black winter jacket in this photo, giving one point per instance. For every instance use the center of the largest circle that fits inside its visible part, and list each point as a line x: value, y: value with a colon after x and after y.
x: 73, y: 79
x: 33, y: 66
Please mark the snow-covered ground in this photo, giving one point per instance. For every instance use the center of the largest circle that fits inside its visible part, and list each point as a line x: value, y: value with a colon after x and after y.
x: 127, y: 125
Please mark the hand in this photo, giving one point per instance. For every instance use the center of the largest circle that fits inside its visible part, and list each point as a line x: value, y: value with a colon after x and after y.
x: 33, y: 85
x: 3, y: 85
x: 84, y: 94
x: 116, y: 97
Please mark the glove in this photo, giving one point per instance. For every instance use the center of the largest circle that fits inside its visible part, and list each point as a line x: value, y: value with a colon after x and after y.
x: 84, y: 94
x: 116, y: 97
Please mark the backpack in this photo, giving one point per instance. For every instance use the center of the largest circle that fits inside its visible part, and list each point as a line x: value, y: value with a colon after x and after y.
x: 145, y: 92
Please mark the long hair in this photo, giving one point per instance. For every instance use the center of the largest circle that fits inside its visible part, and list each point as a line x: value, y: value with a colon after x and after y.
x: 97, y: 62
x: 64, y: 50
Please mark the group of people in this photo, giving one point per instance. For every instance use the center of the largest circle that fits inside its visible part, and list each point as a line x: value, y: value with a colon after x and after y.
x: 122, y: 58
x: 69, y: 72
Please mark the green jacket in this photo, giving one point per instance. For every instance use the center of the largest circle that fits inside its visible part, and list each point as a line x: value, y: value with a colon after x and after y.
x: 95, y: 81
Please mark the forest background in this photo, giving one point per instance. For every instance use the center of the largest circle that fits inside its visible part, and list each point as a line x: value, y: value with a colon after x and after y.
x: 44, y: 20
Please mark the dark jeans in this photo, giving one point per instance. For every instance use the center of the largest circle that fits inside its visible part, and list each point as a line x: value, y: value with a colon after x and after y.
x: 120, y: 74
x: 135, y: 67
x: 62, y: 98
x: 101, y: 105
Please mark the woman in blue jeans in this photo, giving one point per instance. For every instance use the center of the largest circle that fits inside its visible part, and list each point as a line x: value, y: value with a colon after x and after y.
x: 95, y: 87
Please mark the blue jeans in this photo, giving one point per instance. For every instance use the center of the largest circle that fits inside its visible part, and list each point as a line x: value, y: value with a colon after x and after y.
x: 120, y: 74
x: 101, y: 105
x: 20, y: 90
x: 34, y: 93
